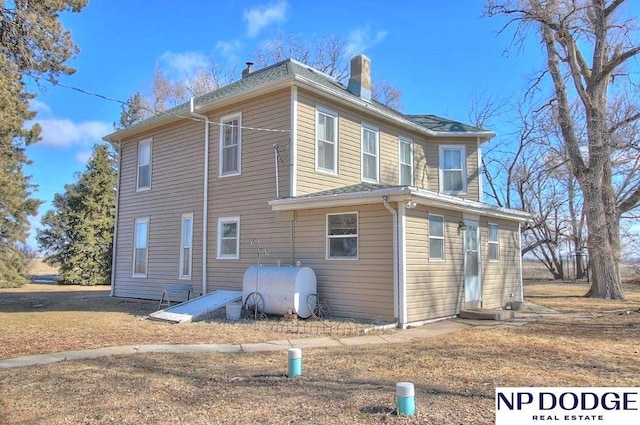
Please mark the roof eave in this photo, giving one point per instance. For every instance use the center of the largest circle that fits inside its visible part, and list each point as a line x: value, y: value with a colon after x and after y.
x: 399, y: 194
x: 201, y: 109
x: 351, y: 100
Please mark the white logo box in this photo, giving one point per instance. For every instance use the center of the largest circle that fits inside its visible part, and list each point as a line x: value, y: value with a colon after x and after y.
x: 568, y: 405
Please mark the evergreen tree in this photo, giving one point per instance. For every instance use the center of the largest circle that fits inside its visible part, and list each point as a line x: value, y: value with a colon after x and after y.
x: 77, y: 233
x: 33, y: 44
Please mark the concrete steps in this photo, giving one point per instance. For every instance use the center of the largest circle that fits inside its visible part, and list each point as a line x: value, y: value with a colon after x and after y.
x: 487, y: 314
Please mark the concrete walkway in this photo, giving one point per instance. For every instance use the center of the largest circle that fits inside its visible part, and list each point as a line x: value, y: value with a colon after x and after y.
x: 530, y: 312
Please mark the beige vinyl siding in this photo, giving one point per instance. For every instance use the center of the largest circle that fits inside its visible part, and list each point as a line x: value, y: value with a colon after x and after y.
x: 361, y: 288
x: 247, y: 195
x: 502, y: 278
x: 176, y: 188
x: 434, y: 288
x: 349, y: 147
x: 433, y: 165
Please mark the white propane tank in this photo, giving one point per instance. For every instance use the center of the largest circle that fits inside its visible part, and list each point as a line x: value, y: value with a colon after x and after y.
x: 283, y: 289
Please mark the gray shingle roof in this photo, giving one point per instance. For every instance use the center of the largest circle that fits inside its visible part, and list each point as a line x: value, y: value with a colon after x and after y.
x: 436, y: 123
x: 289, y: 69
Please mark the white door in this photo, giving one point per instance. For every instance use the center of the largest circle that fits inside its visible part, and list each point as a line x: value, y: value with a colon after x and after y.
x: 472, y: 284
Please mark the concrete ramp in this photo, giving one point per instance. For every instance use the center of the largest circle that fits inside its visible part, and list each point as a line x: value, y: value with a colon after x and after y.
x: 199, y: 308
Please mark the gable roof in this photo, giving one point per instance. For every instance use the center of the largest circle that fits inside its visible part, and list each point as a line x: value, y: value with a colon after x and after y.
x: 291, y: 72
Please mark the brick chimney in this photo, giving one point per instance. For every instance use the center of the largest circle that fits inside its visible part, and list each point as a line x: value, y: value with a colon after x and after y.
x: 360, y: 80
x: 248, y: 70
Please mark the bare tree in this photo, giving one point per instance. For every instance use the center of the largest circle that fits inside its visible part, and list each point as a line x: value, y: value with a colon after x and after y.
x: 326, y: 54
x: 587, y: 45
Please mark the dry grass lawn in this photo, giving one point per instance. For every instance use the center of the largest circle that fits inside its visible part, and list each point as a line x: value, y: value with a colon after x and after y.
x: 454, y: 375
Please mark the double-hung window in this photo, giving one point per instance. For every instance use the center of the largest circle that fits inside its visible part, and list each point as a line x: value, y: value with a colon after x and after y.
x: 326, y: 141
x: 453, y: 175
x: 230, y: 145
x: 370, y: 149
x: 140, y: 245
x: 229, y: 238
x: 342, y: 236
x: 436, y: 237
x: 144, y: 165
x: 405, y: 166
x: 186, y: 246
x: 494, y: 242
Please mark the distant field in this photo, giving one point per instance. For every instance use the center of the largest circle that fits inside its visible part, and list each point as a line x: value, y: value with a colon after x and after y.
x: 38, y: 268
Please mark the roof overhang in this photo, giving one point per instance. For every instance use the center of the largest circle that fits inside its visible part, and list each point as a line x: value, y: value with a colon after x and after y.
x: 182, y: 112
x: 372, y: 108
x: 398, y: 194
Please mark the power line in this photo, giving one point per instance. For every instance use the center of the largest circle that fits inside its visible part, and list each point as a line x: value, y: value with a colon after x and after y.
x: 156, y: 113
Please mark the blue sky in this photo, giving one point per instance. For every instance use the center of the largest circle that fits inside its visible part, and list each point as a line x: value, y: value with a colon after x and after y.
x: 439, y: 53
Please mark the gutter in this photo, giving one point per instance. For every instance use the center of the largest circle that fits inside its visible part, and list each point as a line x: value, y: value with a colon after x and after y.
x: 205, y: 189
x: 398, y: 194
x: 115, y: 223
x: 397, y: 306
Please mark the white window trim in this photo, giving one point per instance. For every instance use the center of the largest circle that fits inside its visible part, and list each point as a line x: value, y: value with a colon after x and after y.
x: 444, y: 233
x: 463, y: 149
x: 183, y: 246
x: 327, y: 237
x: 221, y: 221
x: 237, y: 115
x: 490, y: 242
x: 135, y: 239
x: 362, y: 152
x: 141, y: 142
x: 405, y: 140
x: 325, y: 111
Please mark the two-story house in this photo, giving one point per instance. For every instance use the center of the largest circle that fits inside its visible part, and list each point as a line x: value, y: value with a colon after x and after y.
x: 386, y: 208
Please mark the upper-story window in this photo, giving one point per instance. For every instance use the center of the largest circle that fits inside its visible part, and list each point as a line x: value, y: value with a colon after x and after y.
x: 453, y: 174
x: 230, y: 145
x: 370, y: 157
x: 326, y: 141
x: 144, y: 165
x: 405, y: 163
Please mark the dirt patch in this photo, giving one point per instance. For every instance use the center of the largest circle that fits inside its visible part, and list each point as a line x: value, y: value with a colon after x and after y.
x: 46, y: 318
x: 454, y: 375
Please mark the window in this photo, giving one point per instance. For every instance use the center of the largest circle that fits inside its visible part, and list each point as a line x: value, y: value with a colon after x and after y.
x: 436, y: 237
x: 186, y: 246
x: 370, y: 147
x: 405, y: 155
x: 140, y: 252
x: 229, y: 238
x: 453, y: 178
x: 144, y: 165
x: 494, y: 243
x: 326, y: 141
x: 230, y: 145
x: 342, y: 236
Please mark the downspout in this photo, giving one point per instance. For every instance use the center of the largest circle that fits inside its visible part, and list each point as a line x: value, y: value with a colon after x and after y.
x: 205, y: 188
x: 396, y: 280
x: 520, y: 252
x: 115, y: 224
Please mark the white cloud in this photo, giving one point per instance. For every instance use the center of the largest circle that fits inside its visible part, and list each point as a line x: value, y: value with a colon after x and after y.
x: 363, y: 38
x: 262, y: 16
x: 229, y: 50
x: 62, y: 133
x: 83, y: 156
x: 40, y: 107
x: 182, y: 64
